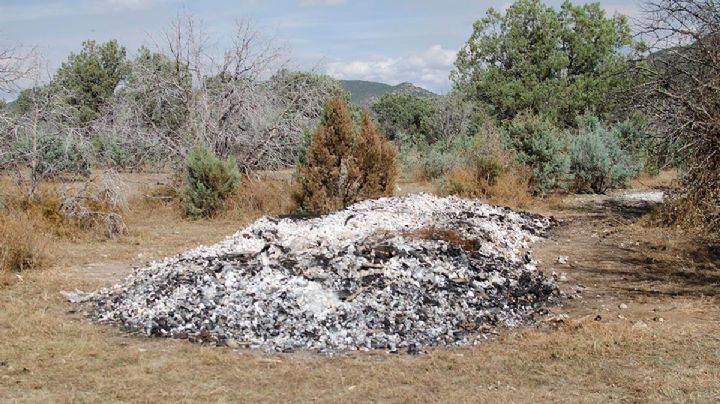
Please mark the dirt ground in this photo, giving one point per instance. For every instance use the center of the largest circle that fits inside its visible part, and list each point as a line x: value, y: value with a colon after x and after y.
x: 641, y: 325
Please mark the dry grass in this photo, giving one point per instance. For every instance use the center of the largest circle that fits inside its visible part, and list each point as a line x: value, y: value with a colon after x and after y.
x: 507, y: 188
x: 665, y: 179
x: 50, y: 353
x: 22, y: 246
x: 450, y: 235
x: 259, y: 197
x: 72, y: 212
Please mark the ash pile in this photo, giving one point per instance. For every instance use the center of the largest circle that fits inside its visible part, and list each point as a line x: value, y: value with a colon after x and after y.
x: 395, y: 273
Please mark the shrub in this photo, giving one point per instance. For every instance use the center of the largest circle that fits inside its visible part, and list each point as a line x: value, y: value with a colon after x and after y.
x: 541, y: 147
x: 98, y: 206
x: 207, y: 183
x: 260, y: 197
x: 636, y: 139
x: 342, y: 167
x: 52, y: 155
x: 21, y: 245
x: 598, y: 163
x: 490, y: 173
x: 432, y: 161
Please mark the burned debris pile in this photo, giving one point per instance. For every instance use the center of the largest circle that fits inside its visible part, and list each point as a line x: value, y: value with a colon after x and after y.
x: 395, y: 273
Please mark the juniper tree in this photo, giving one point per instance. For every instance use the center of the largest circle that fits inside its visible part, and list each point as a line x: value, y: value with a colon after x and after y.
x: 341, y: 167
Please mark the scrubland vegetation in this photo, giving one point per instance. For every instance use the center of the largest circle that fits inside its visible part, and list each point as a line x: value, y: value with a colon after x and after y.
x: 572, y: 103
x: 126, y: 155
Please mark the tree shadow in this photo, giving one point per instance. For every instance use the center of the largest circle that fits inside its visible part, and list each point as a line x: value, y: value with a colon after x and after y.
x: 637, y: 273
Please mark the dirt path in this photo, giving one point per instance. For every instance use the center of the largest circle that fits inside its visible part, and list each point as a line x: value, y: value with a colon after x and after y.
x: 642, y: 326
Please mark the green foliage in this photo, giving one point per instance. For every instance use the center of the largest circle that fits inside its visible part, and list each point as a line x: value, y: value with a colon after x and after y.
x: 29, y: 97
x: 598, y: 161
x: 404, y: 113
x: 643, y: 145
x: 299, y: 89
x: 542, y: 147
x: 558, y: 63
x: 207, y: 183
x: 436, y: 159
x: 112, y: 153
x: 51, y: 155
x: 159, y: 90
x: 125, y: 154
x: 91, y: 76
x: 428, y: 120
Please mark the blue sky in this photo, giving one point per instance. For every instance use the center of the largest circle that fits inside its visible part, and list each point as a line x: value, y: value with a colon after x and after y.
x: 389, y: 41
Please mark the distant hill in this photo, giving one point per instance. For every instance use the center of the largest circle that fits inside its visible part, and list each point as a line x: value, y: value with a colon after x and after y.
x: 366, y: 92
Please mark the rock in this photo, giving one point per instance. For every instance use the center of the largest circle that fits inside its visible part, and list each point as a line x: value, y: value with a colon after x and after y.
x: 76, y: 296
x: 640, y: 325
x: 623, y: 306
x: 562, y: 260
x: 404, y: 273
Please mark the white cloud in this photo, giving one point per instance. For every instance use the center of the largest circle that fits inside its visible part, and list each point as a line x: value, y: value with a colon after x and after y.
x: 429, y: 69
x: 321, y: 3
x: 127, y: 4
x: 630, y: 10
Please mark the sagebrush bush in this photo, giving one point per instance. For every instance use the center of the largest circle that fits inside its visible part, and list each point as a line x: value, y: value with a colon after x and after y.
x: 208, y: 181
x: 597, y: 161
x: 543, y: 148
x: 490, y: 172
x: 342, y: 167
x: 432, y: 161
x: 51, y: 155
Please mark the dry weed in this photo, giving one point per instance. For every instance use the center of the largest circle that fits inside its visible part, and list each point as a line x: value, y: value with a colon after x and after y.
x: 692, y: 205
x: 489, y: 173
x: 259, y: 196
x: 509, y: 188
x: 99, y: 206
x: 96, y: 206
x: 444, y: 234
x: 22, y: 245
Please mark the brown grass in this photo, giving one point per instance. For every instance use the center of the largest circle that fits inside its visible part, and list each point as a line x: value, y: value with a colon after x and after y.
x: 450, y: 235
x: 22, y: 245
x: 259, y: 197
x: 508, y: 188
x: 664, y: 179
x: 49, y: 355
x: 52, y: 353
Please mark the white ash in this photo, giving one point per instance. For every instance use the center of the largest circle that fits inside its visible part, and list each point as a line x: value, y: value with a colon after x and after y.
x: 644, y: 196
x: 362, y: 278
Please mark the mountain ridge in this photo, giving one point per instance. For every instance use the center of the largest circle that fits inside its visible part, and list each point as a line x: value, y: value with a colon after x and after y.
x: 364, y: 92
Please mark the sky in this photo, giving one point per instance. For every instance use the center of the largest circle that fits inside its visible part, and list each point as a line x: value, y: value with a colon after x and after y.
x: 390, y: 41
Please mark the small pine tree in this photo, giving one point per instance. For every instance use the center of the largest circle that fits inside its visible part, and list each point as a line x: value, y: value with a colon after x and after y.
x: 340, y: 167
x: 208, y: 181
